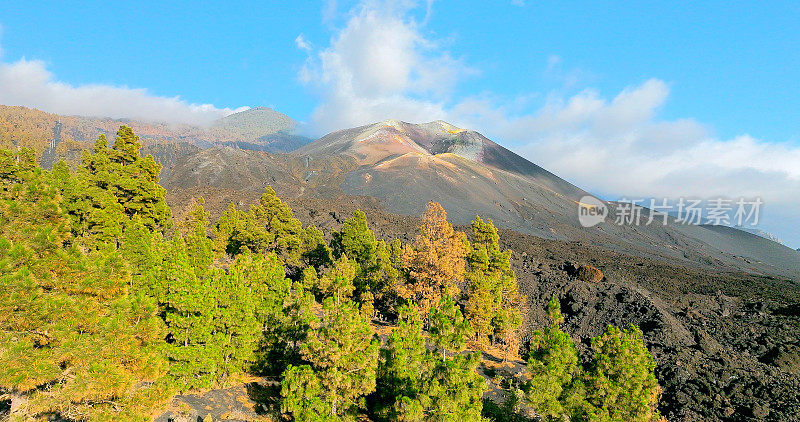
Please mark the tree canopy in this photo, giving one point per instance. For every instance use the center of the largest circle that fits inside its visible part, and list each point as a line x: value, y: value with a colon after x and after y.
x: 108, y: 308
x: 342, y: 360
x: 435, y: 262
x: 493, y: 300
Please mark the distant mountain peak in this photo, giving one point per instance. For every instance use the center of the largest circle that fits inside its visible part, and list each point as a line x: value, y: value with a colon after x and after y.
x: 393, y: 144
x: 251, y: 124
x: 391, y: 138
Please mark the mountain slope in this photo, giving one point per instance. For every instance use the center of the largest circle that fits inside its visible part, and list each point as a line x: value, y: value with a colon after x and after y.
x: 392, y: 138
x: 406, y: 165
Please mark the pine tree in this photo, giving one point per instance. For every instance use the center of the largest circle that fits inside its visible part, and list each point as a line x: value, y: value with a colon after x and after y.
x: 447, y: 390
x: 263, y: 277
x: 555, y: 374
x: 136, y: 183
x: 60, y: 175
x: 189, y: 313
x: 342, y: 358
x: 283, y: 342
x: 435, y: 262
x: 483, y: 301
x: 338, y: 281
x: 356, y: 240
x: 217, y: 318
x: 236, y: 329
x: 422, y: 387
x: 143, y: 249
x: 554, y: 310
x: 309, y: 280
x: 404, y: 362
x: 112, y: 186
x: 17, y: 167
x: 316, y: 252
x: 274, y: 228
x: 493, y: 304
x: 227, y: 238
x: 367, y: 305
x: 199, y: 247
x: 453, y: 391
x: 270, y: 226
x: 376, y: 274
x: 304, y: 396
x: 620, y: 381
x: 390, y: 259
x: 385, y: 276
x: 448, y: 328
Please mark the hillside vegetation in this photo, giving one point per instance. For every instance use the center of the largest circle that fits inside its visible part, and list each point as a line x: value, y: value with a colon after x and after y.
x: 110, y: 307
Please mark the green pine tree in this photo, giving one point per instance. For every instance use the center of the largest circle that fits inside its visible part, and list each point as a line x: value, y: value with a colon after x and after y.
x: 620, y: 382
x: 377, y: 275
x: 304, y: 396
x: 448, y: 328
x: 493, y: 299
x: 338, y: 281
x: 554, y: 369
x: 405, y: 360
x: 342, y: 358
x: 236, y: 329
x: 316, y: 252
x: 270, y: 226
x: 356, y: 240
x: 452, y: 392
x: 189, y: 313
x: 114, y: 180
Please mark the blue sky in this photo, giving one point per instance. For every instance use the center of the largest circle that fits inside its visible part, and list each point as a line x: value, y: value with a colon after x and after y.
x: 733, y: 65
x: 652, y: 87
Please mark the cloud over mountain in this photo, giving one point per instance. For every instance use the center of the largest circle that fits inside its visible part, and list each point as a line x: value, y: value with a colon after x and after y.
x: 381, y: 64
x: 29, y: 83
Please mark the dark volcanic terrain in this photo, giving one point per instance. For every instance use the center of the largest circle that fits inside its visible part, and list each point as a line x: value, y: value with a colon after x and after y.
x: 727, y: 343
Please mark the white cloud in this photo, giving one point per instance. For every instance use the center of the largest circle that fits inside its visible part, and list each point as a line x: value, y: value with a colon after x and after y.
x: 381, y: 65
x: 329, y: 11
x: 302, y: 44
x: 622, y: 147
x: 29, y: 83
